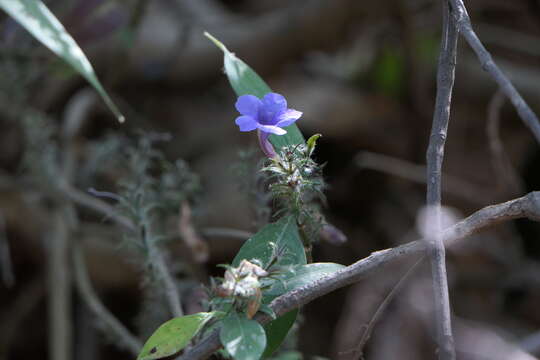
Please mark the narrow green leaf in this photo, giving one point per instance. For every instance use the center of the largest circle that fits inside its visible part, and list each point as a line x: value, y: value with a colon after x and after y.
x: 277, y: 330
x: 45, y: 27
x: 245, y: 81
x: 300, y: 276
x: 173, y: 336
x: 243, y: 338
x: 279, y: 239
x: 312, y: 142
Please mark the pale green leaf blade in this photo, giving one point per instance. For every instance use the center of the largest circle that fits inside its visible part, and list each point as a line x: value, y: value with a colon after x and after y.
x: 35, y: 17
x: 280, y: 238
x: 300, y: 276
x: 243, y: 338
x: 173, y: 336
x: 245, y: 81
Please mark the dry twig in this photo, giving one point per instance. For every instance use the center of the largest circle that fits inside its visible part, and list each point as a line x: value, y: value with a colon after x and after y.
x: 6, y: 268
x: 434, y: 157
x: 197, y: 246
x: 464, y: 25
x: 359, y: 349
x: 88, y: 294
x: 157, y: 259
x: 227, y: 233
x: 506, y: 175
x: 417, y: 173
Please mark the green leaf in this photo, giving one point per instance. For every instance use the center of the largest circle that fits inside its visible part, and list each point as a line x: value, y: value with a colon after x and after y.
x: 243, y: 338
x: 312, y: 142
x: 173, y: 336
x: 45, y: 27
x: 277, y: 330
x: 245, y: 81
x: 279, y: 239
x: 289, y: 355
x: 282, y: 239
x: 300, y: 276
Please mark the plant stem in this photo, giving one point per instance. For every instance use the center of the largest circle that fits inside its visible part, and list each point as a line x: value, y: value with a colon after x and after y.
x: 434, y: 156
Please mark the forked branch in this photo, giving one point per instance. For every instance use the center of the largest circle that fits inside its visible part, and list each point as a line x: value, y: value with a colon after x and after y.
x: 524, y: 207
x: 464, y: 25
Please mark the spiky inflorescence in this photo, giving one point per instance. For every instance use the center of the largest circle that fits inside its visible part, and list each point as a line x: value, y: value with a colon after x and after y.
x: 299, y: 186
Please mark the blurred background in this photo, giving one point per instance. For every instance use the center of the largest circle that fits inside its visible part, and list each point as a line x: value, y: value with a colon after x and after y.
x: 364, y: 75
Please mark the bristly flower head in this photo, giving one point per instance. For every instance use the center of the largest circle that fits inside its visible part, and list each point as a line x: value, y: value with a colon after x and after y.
x: 268, y: 115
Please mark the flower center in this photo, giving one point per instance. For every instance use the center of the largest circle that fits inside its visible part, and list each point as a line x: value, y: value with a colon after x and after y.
x: 266, y: 117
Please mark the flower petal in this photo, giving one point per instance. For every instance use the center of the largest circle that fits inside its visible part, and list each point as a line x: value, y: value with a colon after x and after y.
x: 274, y: 103
x: 248, y: 105
x: 246, y: 123
x: 266, y: 147
x: 272, y: 129
x: 288, y: 117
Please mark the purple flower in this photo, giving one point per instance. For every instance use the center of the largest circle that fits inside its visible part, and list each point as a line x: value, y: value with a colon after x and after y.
x: 268, y: 115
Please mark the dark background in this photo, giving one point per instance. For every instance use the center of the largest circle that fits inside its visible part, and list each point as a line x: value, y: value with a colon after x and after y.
x: 364, y: 75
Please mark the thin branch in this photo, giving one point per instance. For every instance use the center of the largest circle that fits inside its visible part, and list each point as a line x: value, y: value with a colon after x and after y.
x: 16, y: 315
x: 524, y: 207
x: 434, y: 157
x: 59, y: 284
x: 359, y: 349
x: 157, y: 259
x: 417, y: 173
x: 95, y: 204
x: 64, y: 220
x: 531, y: 343
x: 501, y: 163
x: 226, y: 232
x: 197, y: 246
x: 6, y: 267
x: 465, y: 27
x: 88, y: 294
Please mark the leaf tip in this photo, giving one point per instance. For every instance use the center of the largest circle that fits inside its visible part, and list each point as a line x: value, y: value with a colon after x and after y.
x: 218, y: 43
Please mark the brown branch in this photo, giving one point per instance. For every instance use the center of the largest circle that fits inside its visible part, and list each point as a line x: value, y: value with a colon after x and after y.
x: 16, y: 315
x: 417, y: 173
x: 463, y: 22
x: 196, y: 245
x: 59, y: 284
x: 236, y: 234
x: 90, y: 202
x: 89, y: 296
x: 64, y: 221
x: 524, y: 207
x: 359, y: 349
x: 434, y: 156
x: 506, y: 175
x: 6, y: 268
x: 157, y: 258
